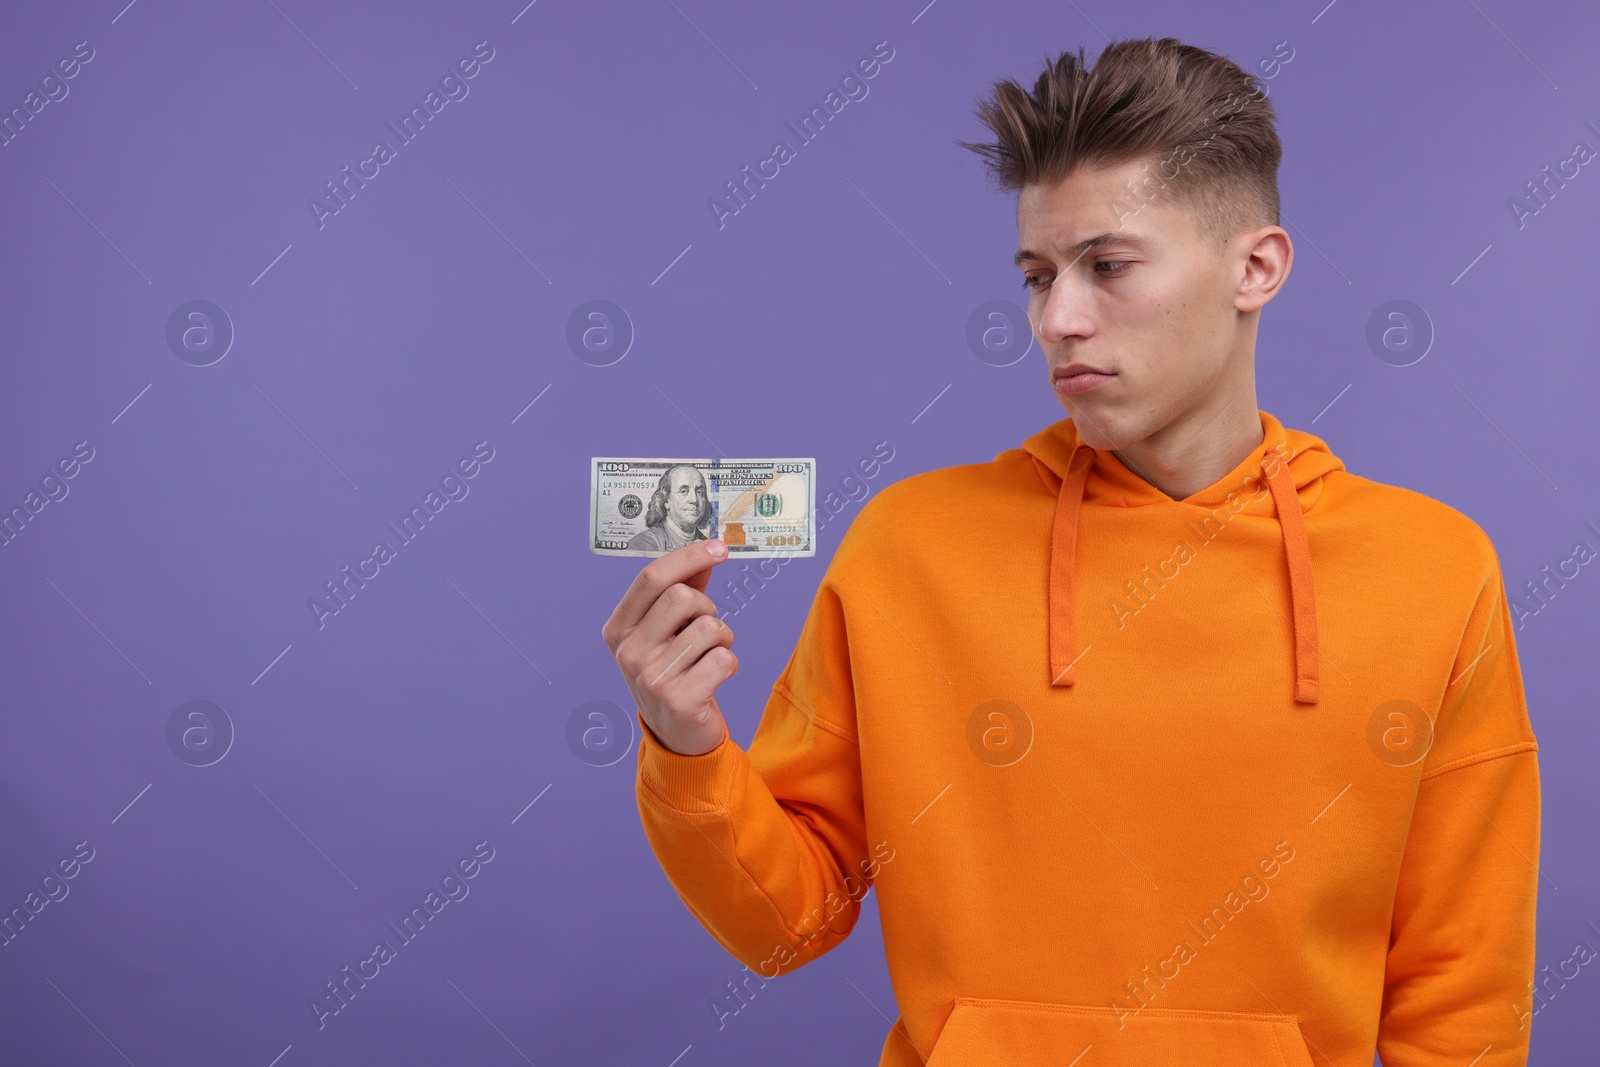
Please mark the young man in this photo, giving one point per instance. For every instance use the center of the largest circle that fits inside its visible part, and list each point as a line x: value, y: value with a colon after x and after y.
x: 1200, y: 749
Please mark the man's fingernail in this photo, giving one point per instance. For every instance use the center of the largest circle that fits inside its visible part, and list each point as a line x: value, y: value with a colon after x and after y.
x: 716, y: 548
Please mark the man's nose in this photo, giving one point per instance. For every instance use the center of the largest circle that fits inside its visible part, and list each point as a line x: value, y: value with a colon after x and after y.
x: 1063, y: 315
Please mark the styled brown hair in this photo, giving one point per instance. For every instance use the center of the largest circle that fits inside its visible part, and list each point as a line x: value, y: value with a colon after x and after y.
x: 1203, y: 125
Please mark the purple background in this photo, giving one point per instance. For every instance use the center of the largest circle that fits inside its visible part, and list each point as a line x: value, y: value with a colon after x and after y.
x: 829, y: 314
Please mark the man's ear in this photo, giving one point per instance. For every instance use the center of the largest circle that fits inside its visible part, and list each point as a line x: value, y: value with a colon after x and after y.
x: 1265, y: 269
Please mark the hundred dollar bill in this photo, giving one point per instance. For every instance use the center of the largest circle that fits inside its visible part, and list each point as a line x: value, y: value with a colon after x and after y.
x: 648, y: 507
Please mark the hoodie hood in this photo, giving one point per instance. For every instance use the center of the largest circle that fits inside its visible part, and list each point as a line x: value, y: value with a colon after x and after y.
x: 1290, y: 462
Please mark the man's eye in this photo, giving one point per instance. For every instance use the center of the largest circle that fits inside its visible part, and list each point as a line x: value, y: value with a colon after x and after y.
x: 1028, y: 280
x: 1121, y: 263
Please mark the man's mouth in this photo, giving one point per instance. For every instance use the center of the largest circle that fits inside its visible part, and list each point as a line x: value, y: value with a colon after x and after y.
x: 1079, y: 378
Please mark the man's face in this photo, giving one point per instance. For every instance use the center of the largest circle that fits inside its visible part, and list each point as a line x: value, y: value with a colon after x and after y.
x: 686, y: 501
x: 1159, y: 309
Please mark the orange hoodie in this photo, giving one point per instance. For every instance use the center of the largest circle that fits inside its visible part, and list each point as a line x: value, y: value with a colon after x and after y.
x: 1242, y: 779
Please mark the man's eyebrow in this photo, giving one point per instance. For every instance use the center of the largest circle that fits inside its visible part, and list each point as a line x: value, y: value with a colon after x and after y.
x: 1099, y: 240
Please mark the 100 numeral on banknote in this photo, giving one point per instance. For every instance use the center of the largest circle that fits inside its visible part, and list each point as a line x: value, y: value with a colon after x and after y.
x: 649, y: 507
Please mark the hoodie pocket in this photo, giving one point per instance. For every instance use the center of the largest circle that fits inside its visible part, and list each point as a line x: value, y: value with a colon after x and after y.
x: 1019, y: 1033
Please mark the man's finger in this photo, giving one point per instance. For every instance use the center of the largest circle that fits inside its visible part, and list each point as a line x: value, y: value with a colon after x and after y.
x: 690, y: 565
x: 669, y: 615
x: 685, y: 650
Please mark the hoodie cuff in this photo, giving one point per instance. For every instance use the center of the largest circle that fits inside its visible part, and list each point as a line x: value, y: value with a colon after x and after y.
x: 686, y: 783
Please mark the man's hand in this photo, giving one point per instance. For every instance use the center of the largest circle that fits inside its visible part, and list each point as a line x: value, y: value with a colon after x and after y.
x: 672, y: 649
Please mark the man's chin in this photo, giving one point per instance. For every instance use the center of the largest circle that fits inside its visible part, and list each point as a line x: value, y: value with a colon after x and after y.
x: 1100, y: 429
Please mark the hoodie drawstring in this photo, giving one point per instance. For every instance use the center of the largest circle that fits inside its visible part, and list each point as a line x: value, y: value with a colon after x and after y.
x: 1297, y: 553
x: 1063, y: 566
x: 1297, y: 550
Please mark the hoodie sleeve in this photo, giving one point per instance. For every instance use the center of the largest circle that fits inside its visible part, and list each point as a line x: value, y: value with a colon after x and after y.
x: 767, y: 847
x: 1461, y: 945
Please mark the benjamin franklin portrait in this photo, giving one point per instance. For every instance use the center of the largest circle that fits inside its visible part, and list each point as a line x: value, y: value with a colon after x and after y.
x: 679, y: 512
